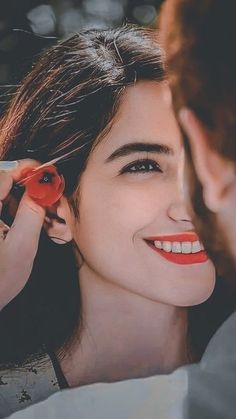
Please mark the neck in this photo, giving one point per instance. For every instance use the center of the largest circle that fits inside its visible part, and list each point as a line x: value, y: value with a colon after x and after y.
x: 124, y: 335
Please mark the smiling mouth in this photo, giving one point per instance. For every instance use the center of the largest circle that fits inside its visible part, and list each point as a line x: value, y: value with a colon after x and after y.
x: 182, y: 249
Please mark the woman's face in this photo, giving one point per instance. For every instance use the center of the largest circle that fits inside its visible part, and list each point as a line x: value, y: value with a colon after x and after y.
x: 133, y: 229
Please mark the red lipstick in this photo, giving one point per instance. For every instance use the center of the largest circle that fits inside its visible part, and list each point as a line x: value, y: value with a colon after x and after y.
x: 178, y: 257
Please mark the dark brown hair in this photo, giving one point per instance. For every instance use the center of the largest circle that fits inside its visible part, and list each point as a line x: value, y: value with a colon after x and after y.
x: 64, y: 106
x: 199, y: 38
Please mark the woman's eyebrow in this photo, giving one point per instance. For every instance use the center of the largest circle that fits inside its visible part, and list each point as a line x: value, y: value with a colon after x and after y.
x: 130, y: 148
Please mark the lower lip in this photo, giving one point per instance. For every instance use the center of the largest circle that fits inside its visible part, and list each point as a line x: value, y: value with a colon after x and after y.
x: 181, y: 258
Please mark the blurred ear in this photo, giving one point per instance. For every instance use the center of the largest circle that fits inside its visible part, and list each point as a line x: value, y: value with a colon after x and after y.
x: 216, y: 173
x: 58, y: 222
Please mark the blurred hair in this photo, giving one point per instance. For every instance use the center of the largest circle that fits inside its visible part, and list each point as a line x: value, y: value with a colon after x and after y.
x: 65, y: 106
x: 200, y: 44
x: 199, y: 38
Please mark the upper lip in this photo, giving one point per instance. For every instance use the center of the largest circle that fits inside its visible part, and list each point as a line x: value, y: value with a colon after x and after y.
x: 178, y: 237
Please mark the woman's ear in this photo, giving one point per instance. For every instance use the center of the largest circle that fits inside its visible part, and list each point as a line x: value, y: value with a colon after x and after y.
x: 58, y: 222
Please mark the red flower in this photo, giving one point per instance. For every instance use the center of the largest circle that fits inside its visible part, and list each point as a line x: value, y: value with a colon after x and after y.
x: 45, y: 186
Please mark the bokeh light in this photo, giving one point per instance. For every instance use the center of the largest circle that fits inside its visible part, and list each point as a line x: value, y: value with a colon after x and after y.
x: 27, y: 27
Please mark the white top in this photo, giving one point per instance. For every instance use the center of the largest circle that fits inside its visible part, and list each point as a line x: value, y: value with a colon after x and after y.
x: 206, y: 390
x: 26, y: 384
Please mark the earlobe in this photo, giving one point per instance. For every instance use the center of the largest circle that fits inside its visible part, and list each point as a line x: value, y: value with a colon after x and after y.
x: 216, y: 174
x: 57, y: 222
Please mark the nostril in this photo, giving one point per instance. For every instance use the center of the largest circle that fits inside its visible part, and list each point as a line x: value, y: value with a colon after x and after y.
x: 187, y: 220
x: 178, y: 212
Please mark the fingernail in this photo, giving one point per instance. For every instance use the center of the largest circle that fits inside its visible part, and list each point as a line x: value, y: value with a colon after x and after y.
x: 8, y: 165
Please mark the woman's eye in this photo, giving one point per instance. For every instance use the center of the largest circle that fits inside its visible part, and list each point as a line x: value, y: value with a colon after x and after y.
x: 141, y: 166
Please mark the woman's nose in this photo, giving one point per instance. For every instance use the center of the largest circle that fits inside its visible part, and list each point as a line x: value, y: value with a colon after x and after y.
x: 178, y: 212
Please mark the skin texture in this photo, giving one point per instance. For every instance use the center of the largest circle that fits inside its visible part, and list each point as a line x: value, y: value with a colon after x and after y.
x: 201, y: 74
x: 120, y: 211
x: 218, y: 179
x: 120, y: 274
x: 124, y: 283
x: 23, y: 234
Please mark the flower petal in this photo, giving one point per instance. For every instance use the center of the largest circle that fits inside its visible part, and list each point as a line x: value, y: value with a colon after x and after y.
x: 45, y: 186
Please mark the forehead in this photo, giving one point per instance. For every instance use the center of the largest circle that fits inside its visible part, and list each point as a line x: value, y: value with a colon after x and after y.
x: 145, y: 114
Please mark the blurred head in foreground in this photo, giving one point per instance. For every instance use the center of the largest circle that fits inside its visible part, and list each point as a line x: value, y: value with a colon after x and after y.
x: 199, y: 39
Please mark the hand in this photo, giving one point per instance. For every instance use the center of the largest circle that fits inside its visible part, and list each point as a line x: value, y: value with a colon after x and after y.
x: 18, y: 243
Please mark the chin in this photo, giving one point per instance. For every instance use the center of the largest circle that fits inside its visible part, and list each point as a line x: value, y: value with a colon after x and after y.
x: 199, y: 296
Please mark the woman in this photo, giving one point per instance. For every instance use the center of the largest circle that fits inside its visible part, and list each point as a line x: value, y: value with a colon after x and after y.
x: 118, y: 261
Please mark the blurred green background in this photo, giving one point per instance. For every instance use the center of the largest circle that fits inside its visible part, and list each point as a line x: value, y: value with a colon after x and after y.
x: 29, y: 26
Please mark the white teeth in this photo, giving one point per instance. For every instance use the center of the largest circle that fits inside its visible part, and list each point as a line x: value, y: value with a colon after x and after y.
x: 166, y: 246
x: 179, y: 247
x: 176, y: 247
x: 186, y: 247
x: 196, y: 247
x: 158, y: 244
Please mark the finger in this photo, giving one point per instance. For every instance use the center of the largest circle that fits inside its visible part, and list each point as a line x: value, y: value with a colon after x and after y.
x: 19, y: 165
x: 6, y: 182
x: 8, y: 177
x: 4, y: 228
x: 24, y: 233
x: 22, y: 164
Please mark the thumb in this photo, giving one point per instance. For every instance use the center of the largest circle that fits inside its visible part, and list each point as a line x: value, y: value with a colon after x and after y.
x: 24, y: 233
